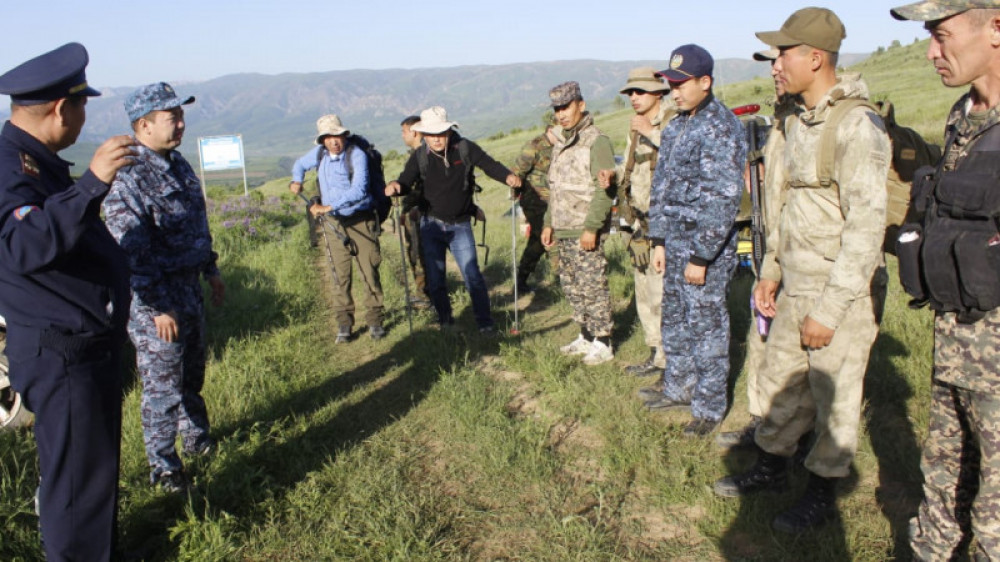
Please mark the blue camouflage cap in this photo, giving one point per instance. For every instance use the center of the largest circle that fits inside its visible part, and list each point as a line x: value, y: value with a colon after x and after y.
x: 153, y: 97
x: 933, y: 10
x: 686, y: 62
x: 56, y: 74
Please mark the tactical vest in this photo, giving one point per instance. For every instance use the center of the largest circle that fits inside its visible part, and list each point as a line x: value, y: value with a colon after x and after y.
x: 949, y: 246
x: 571, y: 184
x: 645, y: 162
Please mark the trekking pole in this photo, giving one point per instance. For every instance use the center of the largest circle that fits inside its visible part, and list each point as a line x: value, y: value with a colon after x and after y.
x: 515, y: 329
x: 326, y: 240
x: 402, y: 261
x: 482, y: 241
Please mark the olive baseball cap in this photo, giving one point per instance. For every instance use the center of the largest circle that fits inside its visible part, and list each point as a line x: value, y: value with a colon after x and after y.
x: 938, y: 10
x: 816, y: 27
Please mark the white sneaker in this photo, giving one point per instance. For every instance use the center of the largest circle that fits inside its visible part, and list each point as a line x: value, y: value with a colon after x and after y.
x: 579, y: 346
x: 599, y: 353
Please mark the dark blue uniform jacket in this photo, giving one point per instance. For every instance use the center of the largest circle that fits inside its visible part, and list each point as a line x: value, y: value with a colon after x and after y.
x: 59, y: 266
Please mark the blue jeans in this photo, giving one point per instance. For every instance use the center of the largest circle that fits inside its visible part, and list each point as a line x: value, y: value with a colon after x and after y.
x: 436, y: 237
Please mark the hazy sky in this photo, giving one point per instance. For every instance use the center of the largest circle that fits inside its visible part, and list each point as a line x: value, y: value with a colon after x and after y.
x: 138, y: 41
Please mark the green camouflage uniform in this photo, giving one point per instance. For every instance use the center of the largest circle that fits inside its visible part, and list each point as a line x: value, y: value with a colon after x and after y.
x: 962, y: 450
x: 532, y: 166
x: 577, y: 203
x: 824, y: 250
x: 772, y: 186
x: 412, y: 202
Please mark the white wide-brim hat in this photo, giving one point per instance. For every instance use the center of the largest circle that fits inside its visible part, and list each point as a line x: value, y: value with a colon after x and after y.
x: 434, y: 121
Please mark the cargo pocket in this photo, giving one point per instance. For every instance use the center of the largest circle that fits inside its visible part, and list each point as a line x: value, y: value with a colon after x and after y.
x: 942, y: 274
x: 908, y: 250
x: 977, y: 256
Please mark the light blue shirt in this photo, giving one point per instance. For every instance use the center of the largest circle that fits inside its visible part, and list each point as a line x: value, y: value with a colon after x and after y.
x: 346, y: 195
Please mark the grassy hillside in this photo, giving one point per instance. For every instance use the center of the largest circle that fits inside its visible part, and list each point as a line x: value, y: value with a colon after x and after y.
x: 448, y: 446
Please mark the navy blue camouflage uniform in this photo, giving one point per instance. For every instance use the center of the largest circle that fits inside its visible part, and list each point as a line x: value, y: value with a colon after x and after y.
x: 696, y: 193
x: 157, y: 213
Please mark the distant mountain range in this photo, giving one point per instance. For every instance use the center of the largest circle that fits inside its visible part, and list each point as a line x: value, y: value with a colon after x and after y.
x: 276, y: 114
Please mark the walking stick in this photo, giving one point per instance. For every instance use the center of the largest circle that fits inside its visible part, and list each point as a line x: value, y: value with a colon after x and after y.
x: 326, y: 240
x: 515, y: 329
x: 402, y: 261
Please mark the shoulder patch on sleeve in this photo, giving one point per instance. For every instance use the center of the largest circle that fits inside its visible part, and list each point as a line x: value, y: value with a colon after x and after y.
x: 21, y: 212
x: 29, y: 166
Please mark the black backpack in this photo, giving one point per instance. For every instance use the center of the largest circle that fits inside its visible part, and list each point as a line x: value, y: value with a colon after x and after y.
x: 376, y: 173
x: 909, y: 150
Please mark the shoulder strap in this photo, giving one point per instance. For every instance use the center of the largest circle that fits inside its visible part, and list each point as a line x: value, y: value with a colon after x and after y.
x: 347, y: 159
x: 463, y: 155
x: 422, y: 161
x: 319, y: 160
x: 827, y: 153
x: 988, y: 141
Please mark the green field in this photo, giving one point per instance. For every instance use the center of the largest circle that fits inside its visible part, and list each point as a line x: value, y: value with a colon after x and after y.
x: 451, y: 446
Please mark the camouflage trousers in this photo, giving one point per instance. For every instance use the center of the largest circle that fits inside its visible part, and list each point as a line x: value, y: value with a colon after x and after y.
x: 534, y: 212
x: 815, y: 389
x: 172, y: 376
x: 411, y: 232
x: 584, y: 279
x: 695, y: 331
x: 363, y: 237
x: 648, y: 296
x: 961, y: 455
x: 756, y: 406
x: 754, y: 357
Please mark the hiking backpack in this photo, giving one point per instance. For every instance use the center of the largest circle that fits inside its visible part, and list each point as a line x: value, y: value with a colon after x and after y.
x: 376, y: 173
x: 909, y: 152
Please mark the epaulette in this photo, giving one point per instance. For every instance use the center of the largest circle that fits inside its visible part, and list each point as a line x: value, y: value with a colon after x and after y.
x: 29, y: 166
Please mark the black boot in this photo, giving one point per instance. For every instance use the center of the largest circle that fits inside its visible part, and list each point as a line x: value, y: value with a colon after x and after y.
x: 646, y: 368
x: 522, y: 284
x: 816, y: 506
x: 769, y: 473
x: 739, y: 439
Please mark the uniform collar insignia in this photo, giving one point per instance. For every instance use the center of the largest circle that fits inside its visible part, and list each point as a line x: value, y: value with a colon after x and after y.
x: 29, y: 166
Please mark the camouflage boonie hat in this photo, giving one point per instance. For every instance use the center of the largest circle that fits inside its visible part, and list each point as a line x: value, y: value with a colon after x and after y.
x: 565, y: 93
x: 329, y: 126
x: 938, y: 10
x: 153, y: 97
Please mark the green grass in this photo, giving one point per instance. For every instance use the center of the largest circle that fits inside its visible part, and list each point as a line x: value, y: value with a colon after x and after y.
x: 449, y: 446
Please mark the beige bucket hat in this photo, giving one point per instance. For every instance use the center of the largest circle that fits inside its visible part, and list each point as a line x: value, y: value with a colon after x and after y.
x: 434, y: 121
x: 644, y: 79
x: 329, y: 126
x: 768, y: 55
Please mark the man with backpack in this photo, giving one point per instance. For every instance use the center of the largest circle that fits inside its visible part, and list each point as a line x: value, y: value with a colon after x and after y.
x: 645, y: 91
x: 444, y: 166
x: 829, y: 239
x: 352, y: 213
